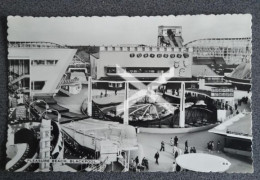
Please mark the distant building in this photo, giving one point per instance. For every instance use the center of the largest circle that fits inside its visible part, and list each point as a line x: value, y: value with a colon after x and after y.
x: 232, y: 50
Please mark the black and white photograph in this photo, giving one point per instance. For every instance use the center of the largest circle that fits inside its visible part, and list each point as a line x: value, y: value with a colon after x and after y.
x: 130, y: 94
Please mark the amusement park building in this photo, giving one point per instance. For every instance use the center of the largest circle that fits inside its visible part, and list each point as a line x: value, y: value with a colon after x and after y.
x: 38, y: 66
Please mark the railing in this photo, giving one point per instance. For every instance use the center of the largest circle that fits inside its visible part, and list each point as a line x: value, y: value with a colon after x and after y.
x: 18, y: 161
x: 99, y: 167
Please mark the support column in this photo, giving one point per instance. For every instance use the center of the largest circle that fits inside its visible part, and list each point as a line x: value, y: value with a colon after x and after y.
x: 182, y: 106
x: 126, y: 107
x: 89, y: 96
x: 202, y: 83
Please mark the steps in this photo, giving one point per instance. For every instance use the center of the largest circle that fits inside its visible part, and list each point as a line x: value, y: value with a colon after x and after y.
x: 96, y: 112
x: 64, y: 92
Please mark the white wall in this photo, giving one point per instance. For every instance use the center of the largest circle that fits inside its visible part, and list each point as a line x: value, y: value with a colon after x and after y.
x: 123, y: 59
x: 52, y: 74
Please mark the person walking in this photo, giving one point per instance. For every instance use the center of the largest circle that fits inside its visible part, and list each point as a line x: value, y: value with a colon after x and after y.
x: 175, y: 141
x: 218, y: 146
x: 209, y: 146
x: 173, y: 166
x: 156, y: 156
x: 171, y: 141
x: 136, y: 160
x: 235, y: 106
x: 176, y: 154
x: 162, y: 146
x: 212, y: 145
x: 186, y: 145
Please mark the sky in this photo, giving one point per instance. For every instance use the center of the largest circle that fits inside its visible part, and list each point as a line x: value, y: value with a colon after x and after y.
x: 125, y: 30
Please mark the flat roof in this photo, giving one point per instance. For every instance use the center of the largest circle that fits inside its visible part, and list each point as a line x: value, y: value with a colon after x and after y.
x: 99, y: 129
x: 239, y: 126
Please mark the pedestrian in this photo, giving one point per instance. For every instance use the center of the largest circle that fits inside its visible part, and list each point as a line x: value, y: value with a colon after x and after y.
x: 115, y: 92
x: 136, y: 160
x: 212, y: 145
x: 173, y: 166
x: 186, y: 151
x: 218, y: 146
x: 175, y: 141
x: 194, y: 150
x: 176, y: 154
x: 145, y: 163
x: 171, y: 141
x: 132, y: 162
x: 156, y: 156
x: 101, y: 94
x: 178, y: 168
x: 186, y: 145
x: 209, y: 146
x: 162, y: 146
x: 191, y: 150
x: 235, y: 106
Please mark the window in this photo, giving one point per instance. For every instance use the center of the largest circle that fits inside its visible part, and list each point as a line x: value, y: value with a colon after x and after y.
x: 39, y: 62
x: 50, y: 62
x: 43, y: 62
x: 37, y: 85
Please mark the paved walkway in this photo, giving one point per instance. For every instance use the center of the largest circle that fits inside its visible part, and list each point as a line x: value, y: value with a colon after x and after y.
x: 152, y: 142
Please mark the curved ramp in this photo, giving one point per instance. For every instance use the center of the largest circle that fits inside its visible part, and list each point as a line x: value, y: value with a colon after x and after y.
x: 27, y: 137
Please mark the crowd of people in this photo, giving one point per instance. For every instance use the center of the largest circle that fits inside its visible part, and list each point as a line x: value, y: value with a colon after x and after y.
x: 136, y: 166
x: 211, y: 146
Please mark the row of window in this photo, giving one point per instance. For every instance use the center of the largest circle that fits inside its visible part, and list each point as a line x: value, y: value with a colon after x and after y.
x: 115, y: 85
x: 136, y: 48
x: 44, y: 62
x: 138, y: 70
x: 222, y: 90
x: 146, y: 55
x: 18, y: 67
x: 222, y: 94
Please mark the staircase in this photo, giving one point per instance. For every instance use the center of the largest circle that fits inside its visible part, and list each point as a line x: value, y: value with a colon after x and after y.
x: 64, y: 92
x: 96, y: 112
x: 19, y: 78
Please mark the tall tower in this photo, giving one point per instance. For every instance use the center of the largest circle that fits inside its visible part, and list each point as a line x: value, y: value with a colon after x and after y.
x: 170, y: 36
x: 45, y: 143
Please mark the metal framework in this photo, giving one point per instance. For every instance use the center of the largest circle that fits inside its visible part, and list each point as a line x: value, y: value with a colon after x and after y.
x: 14, y: 44
x: 233, y: 50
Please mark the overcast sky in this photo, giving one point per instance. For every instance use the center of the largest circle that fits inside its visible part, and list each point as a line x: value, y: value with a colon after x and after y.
x: 125, y: 30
